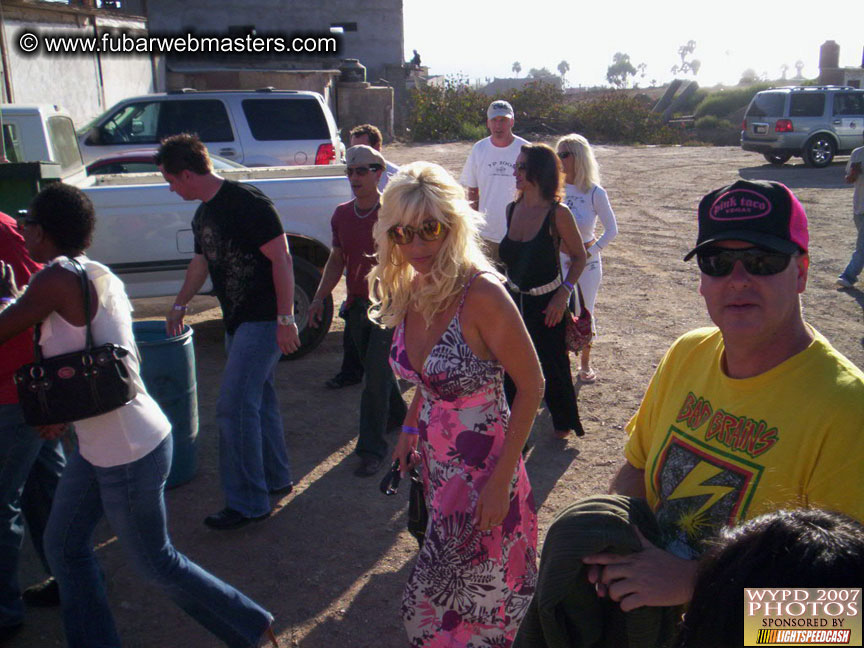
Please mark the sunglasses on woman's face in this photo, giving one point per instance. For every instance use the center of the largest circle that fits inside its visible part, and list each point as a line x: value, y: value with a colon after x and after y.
x: 564, y: 154
x: 429, y: 230
x: 719, y: 262
x: 520, y: 166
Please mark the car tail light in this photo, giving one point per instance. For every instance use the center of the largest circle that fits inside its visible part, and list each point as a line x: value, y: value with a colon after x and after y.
x: 744, y: 125
x: 783, y: 126
x: 326, y: 154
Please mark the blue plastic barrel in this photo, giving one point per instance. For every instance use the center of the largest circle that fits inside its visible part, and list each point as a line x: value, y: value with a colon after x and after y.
x: 168, y: 372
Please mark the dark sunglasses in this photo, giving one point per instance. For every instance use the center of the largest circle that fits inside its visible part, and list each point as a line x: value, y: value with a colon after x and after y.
x: 718, y: 262
x: 564, y: 154
x: 429, y: 230
x: 360, y: 171
x: 520, y: 166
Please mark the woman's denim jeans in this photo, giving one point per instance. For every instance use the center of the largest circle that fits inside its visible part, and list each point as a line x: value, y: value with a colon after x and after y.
x: 29, y: 471
x: 131, y: 498
x: 253, y: 458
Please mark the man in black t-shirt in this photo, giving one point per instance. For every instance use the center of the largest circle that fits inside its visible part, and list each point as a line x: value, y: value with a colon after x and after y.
x: 240, y: 243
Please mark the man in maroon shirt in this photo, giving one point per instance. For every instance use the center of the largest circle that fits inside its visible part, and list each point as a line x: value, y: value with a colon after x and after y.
x: 354, y: 250
x: 29, y: 466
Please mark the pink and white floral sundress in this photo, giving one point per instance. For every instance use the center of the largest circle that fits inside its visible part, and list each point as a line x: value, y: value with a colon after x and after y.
x: 469, y: 588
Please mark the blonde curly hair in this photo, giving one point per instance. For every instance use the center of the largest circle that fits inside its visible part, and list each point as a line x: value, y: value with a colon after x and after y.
x: 419, y: 191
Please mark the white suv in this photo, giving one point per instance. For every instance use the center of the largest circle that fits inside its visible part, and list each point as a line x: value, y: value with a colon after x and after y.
x: 264, y: 127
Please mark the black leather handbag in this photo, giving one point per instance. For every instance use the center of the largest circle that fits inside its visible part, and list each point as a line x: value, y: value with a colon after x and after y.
x: 77, y: 385
x: 418, y: 514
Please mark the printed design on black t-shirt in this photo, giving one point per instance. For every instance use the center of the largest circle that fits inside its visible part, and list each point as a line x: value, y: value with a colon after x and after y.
x: 232, y: 270
x: 701, y: 489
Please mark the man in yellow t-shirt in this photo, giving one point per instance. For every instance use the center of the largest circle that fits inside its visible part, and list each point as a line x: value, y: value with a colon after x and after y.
x: 757, y: 414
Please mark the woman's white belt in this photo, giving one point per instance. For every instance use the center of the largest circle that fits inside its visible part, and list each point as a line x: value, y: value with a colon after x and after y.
x: 536, y: 291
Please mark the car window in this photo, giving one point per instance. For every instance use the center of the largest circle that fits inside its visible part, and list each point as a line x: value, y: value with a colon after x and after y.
x: 767, y: 104
x: 207, y: 118
x: 131, y: 124
x: 809, y: 104
x: 61, y: 133
x: 286, y: 119
x: 12, y: 143
x: 849, y: 103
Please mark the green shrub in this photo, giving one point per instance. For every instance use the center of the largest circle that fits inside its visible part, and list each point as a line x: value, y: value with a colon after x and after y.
x: 712, y: 121
x: 539, y: 107
x: 617, y: 118
x: 472, y: 132
x: 721, y: 104
x: 446, y: 113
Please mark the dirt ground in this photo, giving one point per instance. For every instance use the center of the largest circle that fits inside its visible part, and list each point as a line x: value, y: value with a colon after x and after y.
x: 332, y: 560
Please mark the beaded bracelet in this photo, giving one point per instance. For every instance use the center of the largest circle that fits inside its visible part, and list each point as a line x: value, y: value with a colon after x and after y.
x: 410, y: 429
x: 180, y: 307
x: 569, y: 286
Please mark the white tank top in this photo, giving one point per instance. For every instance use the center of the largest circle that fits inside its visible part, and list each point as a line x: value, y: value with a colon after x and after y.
x: 134, y: 430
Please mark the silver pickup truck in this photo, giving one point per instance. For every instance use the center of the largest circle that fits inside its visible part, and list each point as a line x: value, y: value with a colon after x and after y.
x: 143, y: 231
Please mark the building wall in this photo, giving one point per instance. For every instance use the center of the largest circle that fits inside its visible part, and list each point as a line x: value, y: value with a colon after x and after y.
x: 377, y: 42
x: 83, y: 84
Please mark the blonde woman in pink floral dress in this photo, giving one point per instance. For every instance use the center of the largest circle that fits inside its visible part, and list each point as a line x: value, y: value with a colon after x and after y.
x: 457, y: 331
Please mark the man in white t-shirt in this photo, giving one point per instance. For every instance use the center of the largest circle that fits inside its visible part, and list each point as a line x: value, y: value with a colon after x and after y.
x: 488, y: 173
x: 855, y: 175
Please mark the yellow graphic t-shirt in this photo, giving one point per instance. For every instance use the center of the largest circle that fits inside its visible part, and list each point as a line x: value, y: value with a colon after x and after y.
x: 718, y: 450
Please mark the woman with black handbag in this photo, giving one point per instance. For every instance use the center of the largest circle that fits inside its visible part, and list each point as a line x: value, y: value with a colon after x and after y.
x: 537, y: 224
x: 124, y: 454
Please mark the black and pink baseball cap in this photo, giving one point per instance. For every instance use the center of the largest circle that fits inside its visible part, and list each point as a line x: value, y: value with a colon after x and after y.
x: 761, y: 212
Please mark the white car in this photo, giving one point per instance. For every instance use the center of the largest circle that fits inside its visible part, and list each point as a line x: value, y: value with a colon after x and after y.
x: 255, y: 128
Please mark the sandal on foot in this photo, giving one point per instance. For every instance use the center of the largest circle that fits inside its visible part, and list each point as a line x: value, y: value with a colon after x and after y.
x: 587, y: 376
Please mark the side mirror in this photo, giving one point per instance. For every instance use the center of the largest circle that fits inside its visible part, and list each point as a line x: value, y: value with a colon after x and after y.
x: 94, y: 137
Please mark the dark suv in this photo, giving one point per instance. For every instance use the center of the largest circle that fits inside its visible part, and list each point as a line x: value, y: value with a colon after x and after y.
x: 812, y: 122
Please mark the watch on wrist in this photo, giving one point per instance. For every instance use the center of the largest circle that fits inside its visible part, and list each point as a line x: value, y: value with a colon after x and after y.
x: 285, y: 320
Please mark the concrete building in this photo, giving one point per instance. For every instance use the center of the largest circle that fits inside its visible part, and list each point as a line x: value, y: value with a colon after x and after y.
x: 84, y: 84
x: 371, y: 31
x: 830, y: 71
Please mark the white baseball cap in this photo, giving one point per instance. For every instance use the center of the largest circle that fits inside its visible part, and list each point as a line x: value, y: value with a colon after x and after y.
x: 499, y: 108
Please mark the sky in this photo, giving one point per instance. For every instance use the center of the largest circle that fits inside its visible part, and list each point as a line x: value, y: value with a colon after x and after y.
x: 481, y: 39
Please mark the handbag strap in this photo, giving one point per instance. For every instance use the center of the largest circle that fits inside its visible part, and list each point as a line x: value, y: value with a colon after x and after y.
x: 85, y: 290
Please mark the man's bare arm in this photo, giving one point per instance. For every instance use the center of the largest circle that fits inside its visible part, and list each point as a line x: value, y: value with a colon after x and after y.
x: 854, y: 173
x: 629, y: 480
x: 474, y: 197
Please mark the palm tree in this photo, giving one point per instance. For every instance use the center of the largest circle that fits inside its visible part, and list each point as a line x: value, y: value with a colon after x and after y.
x: 563, y: 69
x: 517, y: 68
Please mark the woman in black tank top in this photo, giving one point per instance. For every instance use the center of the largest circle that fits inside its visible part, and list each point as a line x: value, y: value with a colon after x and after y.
x: 536, y: 223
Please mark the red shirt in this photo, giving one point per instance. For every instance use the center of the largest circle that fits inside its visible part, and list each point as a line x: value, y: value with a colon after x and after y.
x: 19, y: 350
x: 353, y: 235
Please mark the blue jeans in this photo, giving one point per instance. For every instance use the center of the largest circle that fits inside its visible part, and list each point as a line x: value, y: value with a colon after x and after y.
x: 381, y: 402
x: 856, y: 263
x: 29, y: 471
x: 131, y: 498
x: 253, y: 458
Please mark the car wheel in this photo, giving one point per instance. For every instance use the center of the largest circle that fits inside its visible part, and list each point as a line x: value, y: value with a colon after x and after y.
x: 306, y: 278
x: 819, y: 151
x: 777, y: 159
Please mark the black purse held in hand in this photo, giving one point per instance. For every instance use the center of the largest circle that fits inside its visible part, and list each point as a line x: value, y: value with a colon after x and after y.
x: 418, y: 515
x: 78, y: 385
